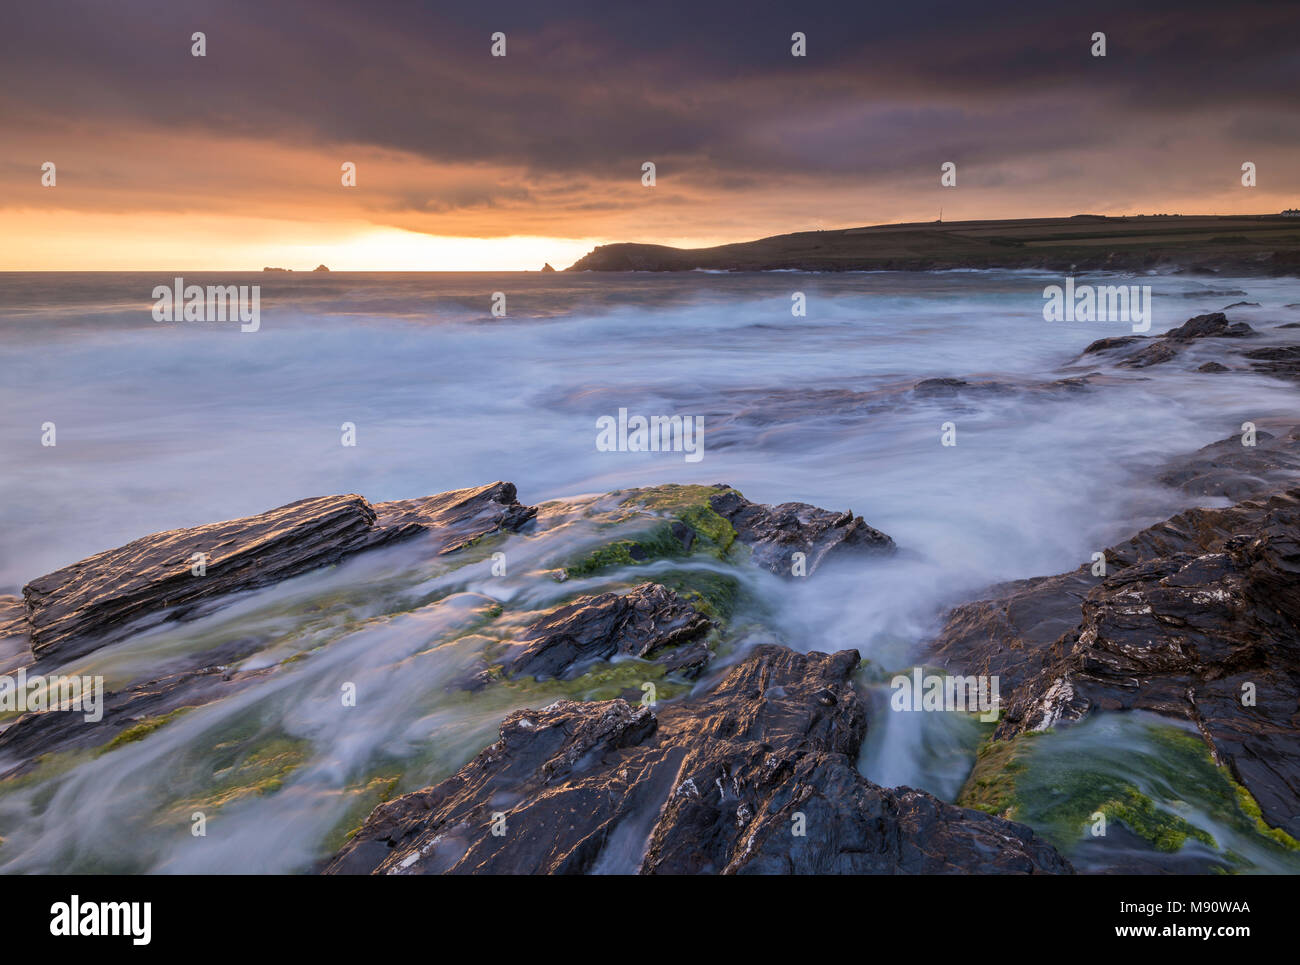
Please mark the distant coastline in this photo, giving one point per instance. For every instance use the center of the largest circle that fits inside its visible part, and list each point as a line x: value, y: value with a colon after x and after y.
x: 1244, y: 244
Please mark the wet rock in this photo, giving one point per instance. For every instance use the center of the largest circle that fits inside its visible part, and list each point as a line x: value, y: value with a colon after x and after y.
x: 151, y: 580
x: 1009, y: 634
x: 710, y: 784
x: 37, y: 734
x: 1155, y: 350
x: 775, y: 533
x: 1227, y: 468
x: 1117, y: 341
x: 1198, y: 617
x: 949, y: 388
x: 15, y: 651
x: 650, y: 621
x: 1213, y: 325
x: 931, y: 388
x: 1279, y: 361
x: 457, y: 518
x: 1153, y: 354
x: 1212, y: 367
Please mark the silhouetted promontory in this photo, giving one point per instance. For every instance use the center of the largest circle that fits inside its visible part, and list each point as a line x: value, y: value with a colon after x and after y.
x: 1244, y: 244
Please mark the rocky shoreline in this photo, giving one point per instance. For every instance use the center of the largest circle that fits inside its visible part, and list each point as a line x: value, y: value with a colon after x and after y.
x: 717, y: 756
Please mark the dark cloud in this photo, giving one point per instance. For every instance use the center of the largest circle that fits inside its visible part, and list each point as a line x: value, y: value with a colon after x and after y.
x: 707, y: 90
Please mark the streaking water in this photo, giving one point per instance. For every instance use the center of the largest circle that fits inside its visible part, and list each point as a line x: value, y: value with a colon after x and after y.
x: 163, y: 425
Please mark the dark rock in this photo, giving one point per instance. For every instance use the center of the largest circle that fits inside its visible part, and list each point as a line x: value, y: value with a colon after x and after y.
x: 1229, y: 469
x: 1116, y: 341
x: 1280, y: 361
x: 1190, y: 610
x: 547, y: 267
x: 36, y: 734
x: 644, y: 622
x: 1009, y: 634
x: 1213, y: 325
x: 949, y: 388
x: 710, y: 784
x: 939, y: 387
x: 99, y: 599
x: 320, y: 268
x: 1241, y: 305
x: 1153, y: 353
x: 15, y: 648
x: 1212, y: 367
x: 460, y: 517
x: 1161, y: 348
x: 775, y: 533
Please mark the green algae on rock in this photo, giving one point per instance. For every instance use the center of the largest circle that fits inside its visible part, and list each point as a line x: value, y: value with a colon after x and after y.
x: 1157, y: 780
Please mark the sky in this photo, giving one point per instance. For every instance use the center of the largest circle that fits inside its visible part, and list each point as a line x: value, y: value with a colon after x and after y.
x: 234, y: 160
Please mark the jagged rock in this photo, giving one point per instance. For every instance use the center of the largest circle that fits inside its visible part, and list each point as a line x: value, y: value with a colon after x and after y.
x: 547, y: 267
x: 1190, y: 611
x: 320, y: 268
x: 99, y: 599
x: 710, y: 784
x: 459, y: 517
x: 644, y: 622
x: 1213, y: 325
x: 775, y: 533
x: 1161, y: 348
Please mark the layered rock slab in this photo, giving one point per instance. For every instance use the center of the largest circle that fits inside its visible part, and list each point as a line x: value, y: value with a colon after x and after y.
x: 99, y: 599
x: 643, y: 622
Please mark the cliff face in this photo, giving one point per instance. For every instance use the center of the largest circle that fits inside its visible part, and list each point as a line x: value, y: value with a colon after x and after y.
x: 1249, y: 244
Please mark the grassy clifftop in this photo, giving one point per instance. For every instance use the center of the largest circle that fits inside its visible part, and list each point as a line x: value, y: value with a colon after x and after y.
x: 1267, y: 244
